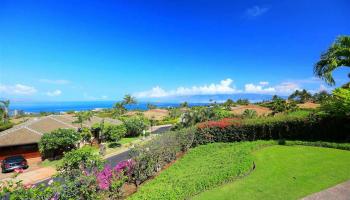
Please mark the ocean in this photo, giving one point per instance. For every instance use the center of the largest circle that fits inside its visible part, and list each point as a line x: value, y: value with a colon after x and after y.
x: 37, y: 107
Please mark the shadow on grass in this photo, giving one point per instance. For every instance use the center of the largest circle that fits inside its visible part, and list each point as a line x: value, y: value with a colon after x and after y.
x: 114, y: 145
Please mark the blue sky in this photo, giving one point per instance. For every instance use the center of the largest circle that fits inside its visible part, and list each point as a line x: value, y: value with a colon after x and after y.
x: 101, y: 50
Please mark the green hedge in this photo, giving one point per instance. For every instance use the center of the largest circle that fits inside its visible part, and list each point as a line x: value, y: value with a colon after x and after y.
x: 309, y: 129
x: 333, y: 145
x: 5, y: 126
x: 152, y: 156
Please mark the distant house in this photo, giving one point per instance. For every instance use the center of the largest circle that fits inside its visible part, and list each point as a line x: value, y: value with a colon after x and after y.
x: 23, y: 138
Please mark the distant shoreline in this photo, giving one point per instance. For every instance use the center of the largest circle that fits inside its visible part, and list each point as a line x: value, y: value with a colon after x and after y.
x: 56, y: 107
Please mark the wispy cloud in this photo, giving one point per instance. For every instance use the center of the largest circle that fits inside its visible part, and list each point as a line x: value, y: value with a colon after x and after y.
x: 224, y: 87
x: 256, y: 11
x: 54, y: 93
x: 56, y: 82
x: 17, y: 89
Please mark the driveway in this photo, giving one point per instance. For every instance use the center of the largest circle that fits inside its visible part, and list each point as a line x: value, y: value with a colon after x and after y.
x: 36, y: 174
x: 33, y: 164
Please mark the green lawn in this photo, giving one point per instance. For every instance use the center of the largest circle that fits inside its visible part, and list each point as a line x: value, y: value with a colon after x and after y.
x: 200, y: 169
x: 128, y: 140
x: 287, y: 172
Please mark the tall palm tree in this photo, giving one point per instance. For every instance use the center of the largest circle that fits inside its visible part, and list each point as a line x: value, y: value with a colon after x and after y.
x: 336, y: 56
x: 128, y: 99
x: 4, y: 104
x: 118, y: 109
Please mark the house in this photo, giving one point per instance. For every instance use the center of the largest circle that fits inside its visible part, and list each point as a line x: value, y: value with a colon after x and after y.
x: 23, y: 138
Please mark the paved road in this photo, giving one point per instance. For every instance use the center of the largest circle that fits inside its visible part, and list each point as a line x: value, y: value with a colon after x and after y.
x: 114, y: 160
x: 338, y: 192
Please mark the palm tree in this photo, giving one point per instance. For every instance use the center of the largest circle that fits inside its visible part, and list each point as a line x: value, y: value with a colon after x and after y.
x: 4, y: 104
x: 128, y: 99
x: 184, y: 105
x: 118, y: 109
x: 151, y: 106
x: 336, y: 56
x: 82, y: 117
x: 248, y: 113
x: 300, y: 96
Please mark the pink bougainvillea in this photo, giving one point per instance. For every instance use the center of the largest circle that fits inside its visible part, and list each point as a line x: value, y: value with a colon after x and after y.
x: 108, y: 174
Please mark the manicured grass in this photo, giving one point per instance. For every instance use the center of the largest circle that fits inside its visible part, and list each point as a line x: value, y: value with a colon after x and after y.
x: 287, y: 172
x: 127, y: 140
x: 202, y: 168
x: 52, y: 163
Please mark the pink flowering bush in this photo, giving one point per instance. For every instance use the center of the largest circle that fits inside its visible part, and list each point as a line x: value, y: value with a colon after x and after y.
x: 110, y: 180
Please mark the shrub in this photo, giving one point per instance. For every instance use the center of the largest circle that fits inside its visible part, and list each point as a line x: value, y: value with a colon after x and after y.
x: 249, y: 113
x: 86, y: 135
x: 135, y: 125
x: 242, y: 101
x: 287, y: 127
x: 57, y: 142
x: 221, y: 113
x: 85, y: 158
x: 155, y: 154
x: 83, y: 186
x: 4, y: 126
x: 338, y: 104
x: 113, y: 133
x: 18, y: 191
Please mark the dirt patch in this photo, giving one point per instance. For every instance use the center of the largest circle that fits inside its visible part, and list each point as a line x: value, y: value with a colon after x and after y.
x: 261, y: 111
x: 129, y: 189
x: 156, y: 114
x: 309, y: 105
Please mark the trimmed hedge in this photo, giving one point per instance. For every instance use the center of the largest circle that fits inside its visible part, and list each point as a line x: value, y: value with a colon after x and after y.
x: 309, y: 129
x: 333, y: 145
x: 152, y: 156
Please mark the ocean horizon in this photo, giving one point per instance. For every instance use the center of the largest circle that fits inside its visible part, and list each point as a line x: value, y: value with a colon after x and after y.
x: 37, y: 107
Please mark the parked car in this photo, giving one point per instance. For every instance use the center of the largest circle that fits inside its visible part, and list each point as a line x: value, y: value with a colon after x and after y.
x: 14, y: 162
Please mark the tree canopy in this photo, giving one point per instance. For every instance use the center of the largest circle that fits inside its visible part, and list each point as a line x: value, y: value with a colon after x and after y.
x: 337, y: 55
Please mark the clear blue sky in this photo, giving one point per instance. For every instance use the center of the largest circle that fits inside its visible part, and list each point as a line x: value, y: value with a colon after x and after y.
x: 95, y: 50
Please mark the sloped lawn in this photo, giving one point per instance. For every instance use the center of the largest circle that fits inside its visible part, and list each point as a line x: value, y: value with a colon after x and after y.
x: 287, y: 172
x: 202, y: 168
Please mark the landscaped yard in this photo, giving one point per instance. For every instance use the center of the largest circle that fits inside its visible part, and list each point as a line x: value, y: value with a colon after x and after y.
x: 282, y: 172
x: 287, y: 172
x: 201, y: 168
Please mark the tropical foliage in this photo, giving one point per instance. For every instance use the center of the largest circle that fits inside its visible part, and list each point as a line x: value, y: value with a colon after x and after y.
x: 338, y: 104
x: 249, y: 113
x: 302, y: 96
x: 58, y: 141
x: 79, y: 160
x: 82, y: 117
x: 113, y: 133
x: 337, y: 55
x: 4, y: 111
x: 135, y: 125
